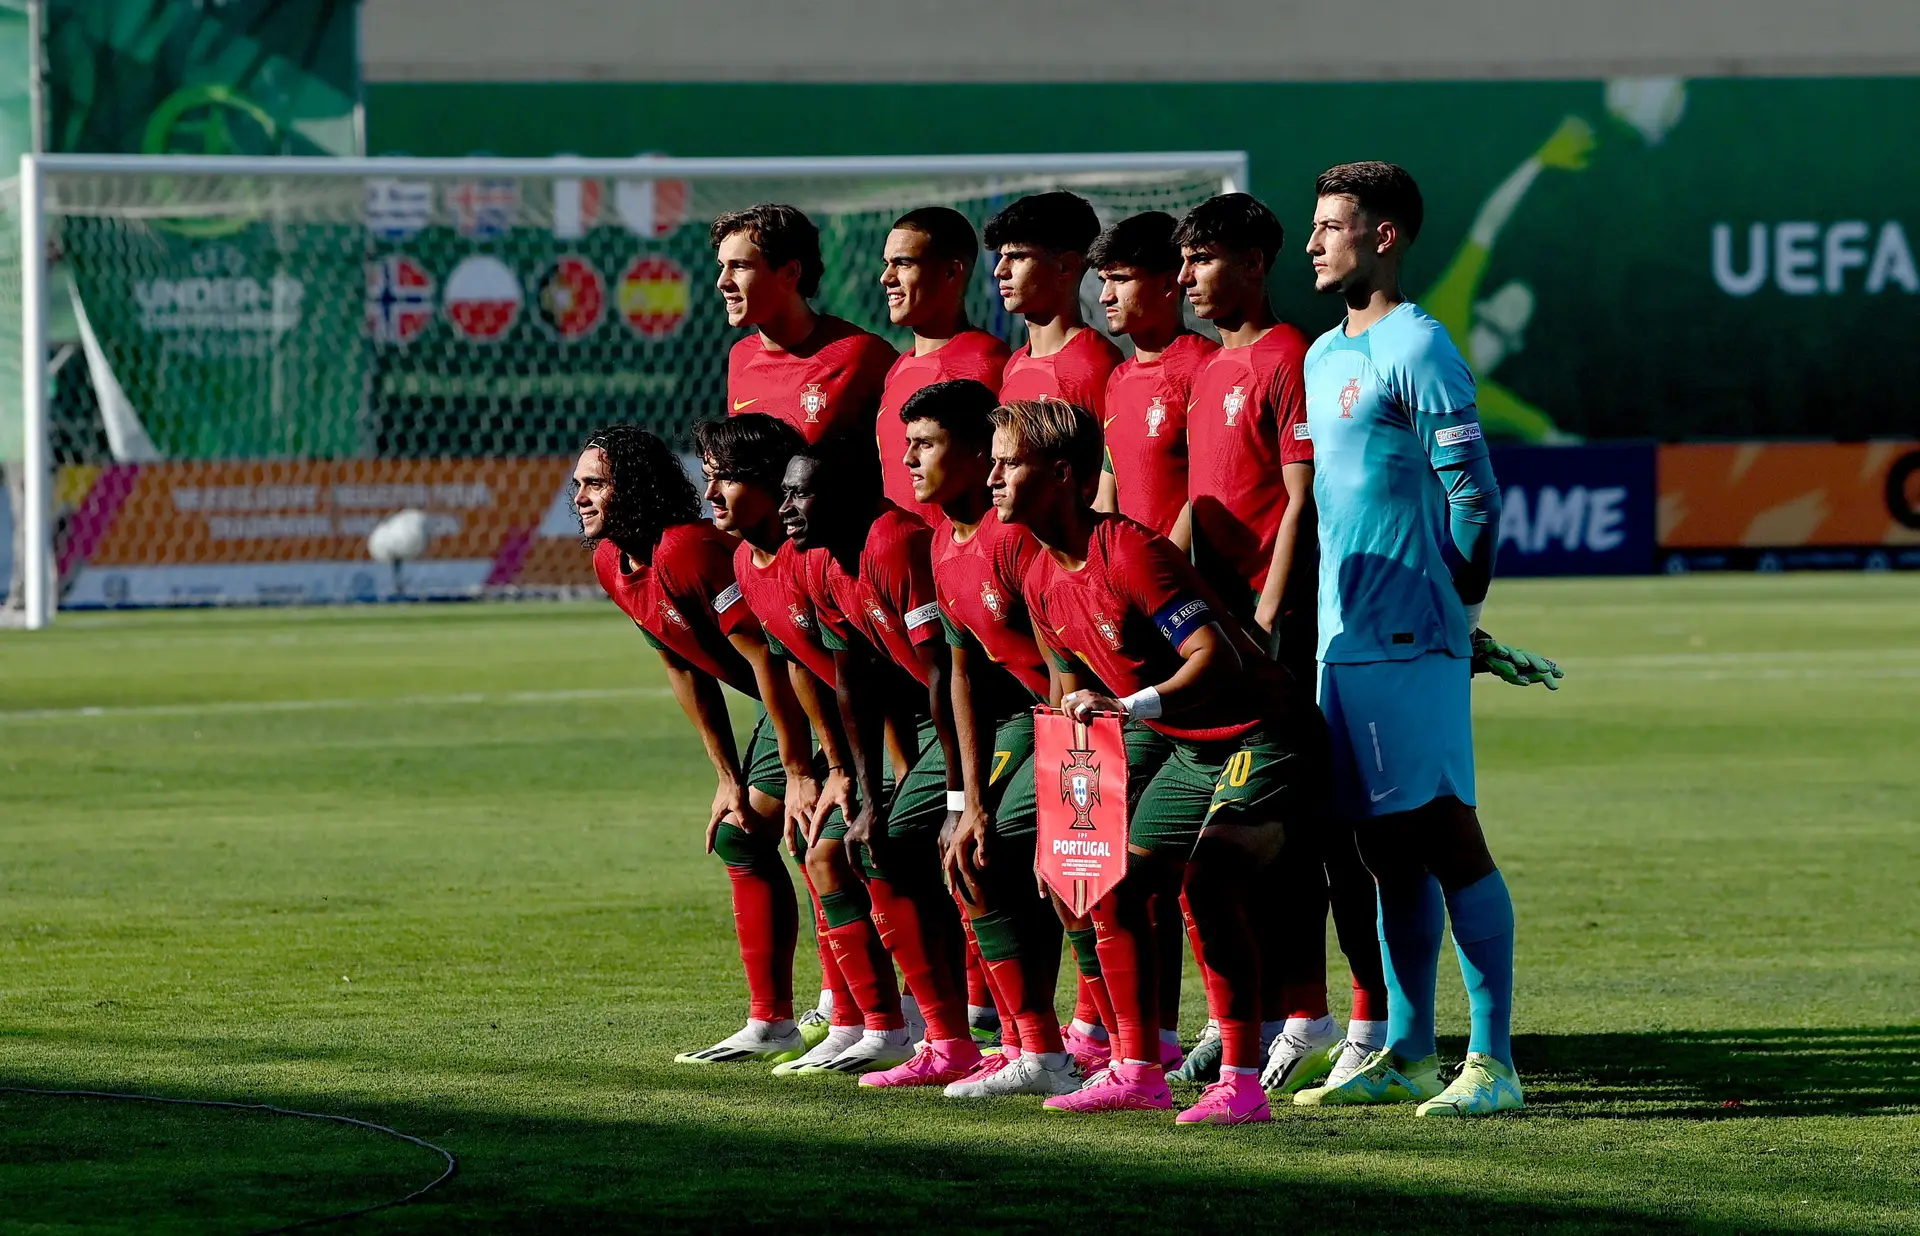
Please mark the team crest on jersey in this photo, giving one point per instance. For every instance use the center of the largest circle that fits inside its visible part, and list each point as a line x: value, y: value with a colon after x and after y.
x: 672, y: 615
x: 1349, y: 395
x: 813, y: 401
x: 797, y: 614
x: 1080, y: 785
x: 1236, y: 399
x: 1108, y: 630
x: 995, y: 603
x: 1157, y: 416
x: 878, y: 615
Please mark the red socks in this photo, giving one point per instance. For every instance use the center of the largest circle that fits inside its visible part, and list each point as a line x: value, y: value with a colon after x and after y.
x: 846, y: 1009
x: 1128, y: 968
x: 766, y: 919
x: 919, y: 954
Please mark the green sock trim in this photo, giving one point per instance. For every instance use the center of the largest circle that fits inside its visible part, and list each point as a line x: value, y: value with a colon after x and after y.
x: 1083, y: 954
x: 846, y: 905
x: 999, y: 941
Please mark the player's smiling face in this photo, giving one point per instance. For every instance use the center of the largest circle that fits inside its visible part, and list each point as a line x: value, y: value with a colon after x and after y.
x: 1219, y: 283
x: 1138, y: 299
x: 753, y: 291
x: 1341, y: 245
x: 592, y: 491
x: 919, y: 287
x: 801, y: 508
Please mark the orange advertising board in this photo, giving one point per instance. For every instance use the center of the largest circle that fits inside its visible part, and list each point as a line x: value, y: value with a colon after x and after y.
x: 1787, y: 495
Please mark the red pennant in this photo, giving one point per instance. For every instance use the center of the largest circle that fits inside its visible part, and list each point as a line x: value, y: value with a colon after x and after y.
x: 1081, y: 783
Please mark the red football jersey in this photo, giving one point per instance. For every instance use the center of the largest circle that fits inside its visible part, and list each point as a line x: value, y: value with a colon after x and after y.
x: 1246, y: 419
x: 686, y: 600
x: 778, y: 598
x: 970, y: 354
x: 890, y: 602
x: 1146, y: 430
x: 1076, y: 373
x: 978, y: 582
x: 829, y: 386
x: 1125, y: 614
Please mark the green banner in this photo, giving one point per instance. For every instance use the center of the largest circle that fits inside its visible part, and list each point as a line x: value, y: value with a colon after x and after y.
x: 212, y: 319
x: 1636, y: 258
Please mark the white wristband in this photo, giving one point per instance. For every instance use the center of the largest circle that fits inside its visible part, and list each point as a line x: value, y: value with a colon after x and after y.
x: 1473, y: 616
x: 956, y: 800
x: 1143, y: 704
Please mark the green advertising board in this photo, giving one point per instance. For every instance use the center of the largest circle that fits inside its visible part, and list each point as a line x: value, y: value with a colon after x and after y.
x: 1640, y: 258
x: 212, y: 318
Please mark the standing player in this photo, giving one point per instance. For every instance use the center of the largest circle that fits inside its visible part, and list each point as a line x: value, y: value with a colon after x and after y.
x: 818, y: 373
x: 1241, y: 774
x: 672, y: 573
x: 1042, y: 243
x: 871, y: 588
x: 744, y: 458
x: 1408, y: 531
x: 1147, y: 394
x: 930, y: 256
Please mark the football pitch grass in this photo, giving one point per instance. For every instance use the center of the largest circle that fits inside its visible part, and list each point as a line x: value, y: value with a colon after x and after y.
x: 440, y: 868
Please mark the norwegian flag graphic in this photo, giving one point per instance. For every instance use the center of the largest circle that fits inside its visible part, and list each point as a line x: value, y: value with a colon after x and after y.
x: 484, y: 209
x: 399, y: 299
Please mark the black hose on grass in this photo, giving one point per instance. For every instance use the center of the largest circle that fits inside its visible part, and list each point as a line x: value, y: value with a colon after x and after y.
x: 453, y: 1164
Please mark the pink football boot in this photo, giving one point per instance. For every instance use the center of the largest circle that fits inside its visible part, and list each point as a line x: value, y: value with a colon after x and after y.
x: 935, y: 1064
x: 1235, y: 1099
x: 1118, y: 1088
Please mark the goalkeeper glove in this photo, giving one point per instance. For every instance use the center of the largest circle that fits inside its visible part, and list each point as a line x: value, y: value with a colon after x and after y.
x: 1512, y: 665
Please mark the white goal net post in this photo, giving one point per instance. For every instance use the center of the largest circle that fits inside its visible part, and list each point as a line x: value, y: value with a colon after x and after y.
x: 233, y: 368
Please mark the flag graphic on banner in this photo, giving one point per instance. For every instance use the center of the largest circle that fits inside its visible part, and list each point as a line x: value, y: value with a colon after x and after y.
x: 483, y: 298
x: 576, y: 208
x: 398, y: 210
x: 399, y: 299
x: 654, y: 296
x: 651, y: 208
x: 573, y: 297
x: 484, y: 209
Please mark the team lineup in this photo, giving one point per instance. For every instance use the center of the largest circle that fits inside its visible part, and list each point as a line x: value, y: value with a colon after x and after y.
x: 1267, y: 555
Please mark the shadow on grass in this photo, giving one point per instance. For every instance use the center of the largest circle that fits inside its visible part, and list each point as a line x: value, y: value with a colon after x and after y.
x: 1731, y: 1073
x: 657, y: 1147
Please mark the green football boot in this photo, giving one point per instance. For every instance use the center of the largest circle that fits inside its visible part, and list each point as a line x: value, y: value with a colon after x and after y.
x: 1484, y: 1086
x: 1384, y: 1078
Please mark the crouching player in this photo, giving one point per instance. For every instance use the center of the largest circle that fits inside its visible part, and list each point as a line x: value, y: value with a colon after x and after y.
x: 871, y: 589
x: 745, y: 458
x: 672, y: 573
x: 1409, y: 519
x: 1244, y: 765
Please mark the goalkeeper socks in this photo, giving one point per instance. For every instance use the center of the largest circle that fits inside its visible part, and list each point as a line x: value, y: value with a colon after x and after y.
x: 1482, y: 915
x: 862, y: 959
x: 1412, y: 917
x: 917, y: 948
x: 836, y: 999
x: 766, y: 921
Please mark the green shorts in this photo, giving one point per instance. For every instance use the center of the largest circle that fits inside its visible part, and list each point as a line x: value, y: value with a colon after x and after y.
x: 761, y: 761
x: 1266, y: 774
x: 1010, y: 786
x: 916, y: 808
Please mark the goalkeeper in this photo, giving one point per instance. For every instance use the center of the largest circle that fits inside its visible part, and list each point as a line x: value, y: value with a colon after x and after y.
x: 1408, y: 519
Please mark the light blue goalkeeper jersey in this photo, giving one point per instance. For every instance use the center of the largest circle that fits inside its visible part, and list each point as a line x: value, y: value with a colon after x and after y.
x: 1407, y: 502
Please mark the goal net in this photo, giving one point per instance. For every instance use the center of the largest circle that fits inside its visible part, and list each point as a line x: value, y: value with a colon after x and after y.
x: 248, y: 364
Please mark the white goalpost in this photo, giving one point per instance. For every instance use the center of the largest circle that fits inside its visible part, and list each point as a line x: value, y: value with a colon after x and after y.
x: 233, y: 369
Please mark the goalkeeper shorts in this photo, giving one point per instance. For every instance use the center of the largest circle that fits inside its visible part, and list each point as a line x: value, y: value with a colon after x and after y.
x: 1402, y: 733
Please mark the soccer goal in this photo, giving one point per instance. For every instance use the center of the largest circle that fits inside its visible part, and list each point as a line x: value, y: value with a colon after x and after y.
x: 234, y: 369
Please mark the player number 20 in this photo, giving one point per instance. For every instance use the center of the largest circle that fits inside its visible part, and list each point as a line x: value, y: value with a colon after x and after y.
x: 1239, y: 768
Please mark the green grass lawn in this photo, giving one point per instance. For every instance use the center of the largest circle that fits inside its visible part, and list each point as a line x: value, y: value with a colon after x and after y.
x: 440, y: 868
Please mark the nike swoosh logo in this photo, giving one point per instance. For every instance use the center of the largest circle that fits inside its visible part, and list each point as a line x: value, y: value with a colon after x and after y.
x: 1108, y: 423
x: 1382, y: 794
x: 744, y: 403
x: 1216, y: 806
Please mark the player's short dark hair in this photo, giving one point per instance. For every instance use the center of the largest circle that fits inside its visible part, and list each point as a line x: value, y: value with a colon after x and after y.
x: 1382, y: 191
x: 651, y: 489
x: 962, y: 407
x: 1057, y: 429
x: 1144, y: 242
x: 752, y: 447
x: 784, y: 234
x: 851, y: 465
x: 950, y: 236
x: 1059, y: 222
x: 1235, y: 223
